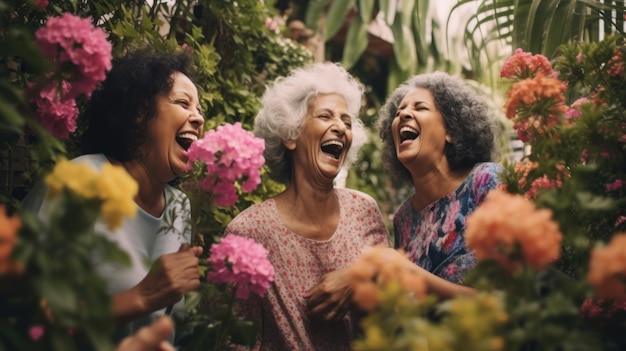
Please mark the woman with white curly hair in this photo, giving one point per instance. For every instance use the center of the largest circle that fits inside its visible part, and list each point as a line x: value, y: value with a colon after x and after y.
x: 313, y: 230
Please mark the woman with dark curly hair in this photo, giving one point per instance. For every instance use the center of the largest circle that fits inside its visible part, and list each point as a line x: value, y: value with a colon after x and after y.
x: 438, y: 137
x: 144, y: 117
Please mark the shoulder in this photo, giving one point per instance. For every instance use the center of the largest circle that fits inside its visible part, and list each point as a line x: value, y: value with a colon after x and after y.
x: 251, y: 218
x: 355, y: 195
x: 95, y: 160
x: 486, y: 174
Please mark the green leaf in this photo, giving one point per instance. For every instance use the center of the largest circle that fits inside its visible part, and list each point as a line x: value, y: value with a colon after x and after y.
x: 314, y: 12
x: 404, y: 45
x: 244, y: 332
x: 356, y: 42
x: 365, y: 10
x: 336, y: 17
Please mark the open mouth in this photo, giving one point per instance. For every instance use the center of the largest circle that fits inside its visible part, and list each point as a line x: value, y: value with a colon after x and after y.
x: 333, y: 148
x: 408, y: 133
x: 186, y: 139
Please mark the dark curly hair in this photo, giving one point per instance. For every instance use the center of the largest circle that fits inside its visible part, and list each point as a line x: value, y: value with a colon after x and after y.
x: 465, y: 116
x: 120, y: 108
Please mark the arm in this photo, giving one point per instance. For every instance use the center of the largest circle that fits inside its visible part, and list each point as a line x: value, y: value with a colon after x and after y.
x: 170, y: 277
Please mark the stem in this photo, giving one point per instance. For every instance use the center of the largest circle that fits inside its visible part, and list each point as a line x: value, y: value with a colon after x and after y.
x: 226, y: 325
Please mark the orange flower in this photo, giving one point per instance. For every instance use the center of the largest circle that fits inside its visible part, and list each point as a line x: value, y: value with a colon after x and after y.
x: 536, y: 105
x: 378, y: 266
x: 607, y: 268
x: 9, y: 226
x: 524, y: 64
x: 512, y: 231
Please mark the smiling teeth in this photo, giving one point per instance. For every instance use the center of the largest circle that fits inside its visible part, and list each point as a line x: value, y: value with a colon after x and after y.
x: 408, y: 129
x: 333, y: 142
x: 190, y: 136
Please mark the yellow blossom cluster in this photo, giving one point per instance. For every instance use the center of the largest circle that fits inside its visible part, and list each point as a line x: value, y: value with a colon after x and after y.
x: 512, y: 231
x: 112, y: 186
x: 607, y: 268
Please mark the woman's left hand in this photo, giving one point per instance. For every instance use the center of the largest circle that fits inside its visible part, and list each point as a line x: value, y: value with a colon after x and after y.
x: 330, y: 298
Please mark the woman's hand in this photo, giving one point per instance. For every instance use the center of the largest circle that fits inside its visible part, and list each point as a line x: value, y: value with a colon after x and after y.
x: 150, y: 338
x: 170, y: 277
x: 330, y: 298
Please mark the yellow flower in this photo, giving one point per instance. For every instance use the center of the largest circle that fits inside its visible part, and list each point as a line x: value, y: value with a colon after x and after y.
x: 79, y: 178
x: 117, y: 189
x: 113, y: 186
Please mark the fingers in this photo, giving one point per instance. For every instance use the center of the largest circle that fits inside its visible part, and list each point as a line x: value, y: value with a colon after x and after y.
x: 151, y: 337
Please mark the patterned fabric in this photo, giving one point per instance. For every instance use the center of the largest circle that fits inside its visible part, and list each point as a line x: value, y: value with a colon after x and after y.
x: 433, y: 237
x: 300, y: 263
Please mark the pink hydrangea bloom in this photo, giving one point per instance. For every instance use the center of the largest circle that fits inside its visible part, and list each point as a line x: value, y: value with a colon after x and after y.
x: 36, y: 332
x: 56, y: 114
x: 71, y: 39
x: 243, y: 263
x: 231, y: 154
x: 42, y: 4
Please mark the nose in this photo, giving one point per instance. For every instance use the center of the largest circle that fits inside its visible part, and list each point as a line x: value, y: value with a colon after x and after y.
x: 339, y: 127
x: 404, y: 114
x: 196, y: 120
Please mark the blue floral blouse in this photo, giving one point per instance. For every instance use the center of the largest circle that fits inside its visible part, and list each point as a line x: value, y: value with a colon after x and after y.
x: 433, y: 237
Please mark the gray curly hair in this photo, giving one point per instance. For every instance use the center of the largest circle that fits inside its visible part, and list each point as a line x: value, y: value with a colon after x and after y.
x: 465, y: 116
x: 285, y: 105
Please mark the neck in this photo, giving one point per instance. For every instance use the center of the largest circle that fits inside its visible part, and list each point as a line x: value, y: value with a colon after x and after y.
x: 435, y: 184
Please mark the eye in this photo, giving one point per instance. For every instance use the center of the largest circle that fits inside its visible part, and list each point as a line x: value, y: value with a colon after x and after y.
x: 348, y: 123
x: 183, y: 103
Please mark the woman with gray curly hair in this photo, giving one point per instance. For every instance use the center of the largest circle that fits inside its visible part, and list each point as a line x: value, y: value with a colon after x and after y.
x: 313, y: 230
x: 438, y: 137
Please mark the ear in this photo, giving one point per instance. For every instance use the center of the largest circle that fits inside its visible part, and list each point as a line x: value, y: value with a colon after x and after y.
x: 290, y: 144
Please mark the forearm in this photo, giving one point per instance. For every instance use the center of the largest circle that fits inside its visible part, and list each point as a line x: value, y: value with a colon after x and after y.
x: 442, y: 288
x: 128, y: 305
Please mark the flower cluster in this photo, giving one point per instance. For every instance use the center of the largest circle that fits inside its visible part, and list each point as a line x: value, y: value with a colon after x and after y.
x: 228, y: 154
x: 607, y: 268
x: 512, y: 231
x: 72, y: 40
x: 376, y: 268
x: 112, y: 186
x: 243, y: 263
x: 83, y: 54
x: 9, y: 227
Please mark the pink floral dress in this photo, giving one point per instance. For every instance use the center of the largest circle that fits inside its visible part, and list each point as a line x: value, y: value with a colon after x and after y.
x: 433, y: 237
x: 299, y: 263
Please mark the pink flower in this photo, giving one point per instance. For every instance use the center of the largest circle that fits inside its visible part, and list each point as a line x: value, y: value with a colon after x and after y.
x: 71, y: 39
x: 42, y: 4
x: 36, y: 332
x: 56, y: 114
x: 242, y: 262
x: 231, y: 154
x: 525, y: 65
x: 616, y: 185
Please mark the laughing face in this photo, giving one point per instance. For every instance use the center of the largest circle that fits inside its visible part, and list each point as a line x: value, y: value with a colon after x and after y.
x: 325, y: 138
x: 178, y: 122
x: 418, y: 130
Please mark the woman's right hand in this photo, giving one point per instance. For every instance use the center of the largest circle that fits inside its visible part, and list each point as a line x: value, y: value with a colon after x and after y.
x: 170, y: 277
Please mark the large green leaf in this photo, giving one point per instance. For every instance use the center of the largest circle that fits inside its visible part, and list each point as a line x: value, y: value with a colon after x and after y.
x: 365, y: 10
x: 314, y: 12
x: 404, y: 44
x: 337, y: 17
x: 356, y: 42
